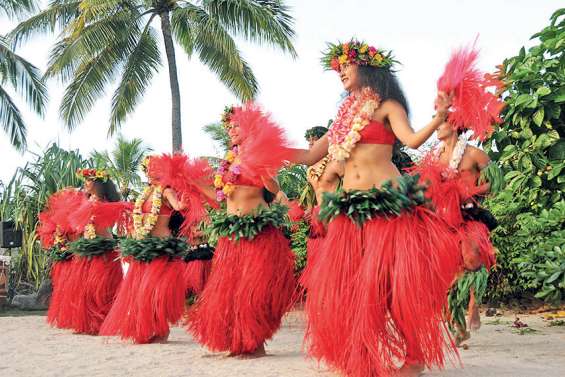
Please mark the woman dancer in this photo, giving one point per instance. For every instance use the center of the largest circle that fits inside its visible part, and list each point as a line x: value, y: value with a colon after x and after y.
x: 55, y: 233
x: 252, y: 282
x: 96, y: 270
x: 152, y: 295
x: 388, y: 260
x: 324, y: 176
x: 459, y: 174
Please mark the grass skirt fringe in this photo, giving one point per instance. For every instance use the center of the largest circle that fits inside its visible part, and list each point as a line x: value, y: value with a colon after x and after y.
x: 249, y: 289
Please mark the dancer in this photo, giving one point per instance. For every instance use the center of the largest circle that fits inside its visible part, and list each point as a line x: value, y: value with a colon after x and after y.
x: 55, y: 232
x: 324, y: 176
x: 152, y: 295
x: 458, y: 175
x: 96, y: 271
x: 379, y: 295
x: 252, y: 282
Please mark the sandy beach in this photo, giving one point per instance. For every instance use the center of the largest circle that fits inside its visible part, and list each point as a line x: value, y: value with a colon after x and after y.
x: 29, y: 347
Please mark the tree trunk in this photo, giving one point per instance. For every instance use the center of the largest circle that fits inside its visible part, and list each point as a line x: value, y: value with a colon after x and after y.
x: 174, y: 81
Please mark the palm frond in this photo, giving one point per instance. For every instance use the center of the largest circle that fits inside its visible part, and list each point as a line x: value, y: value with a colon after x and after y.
x: 139, y: 69
x: 55, y: 17
x: 216, y: 49
x: 24, y: 78
x: 219, y: 135
x: 11, y: 121
x: 17, y: 7
x: 262, y: 21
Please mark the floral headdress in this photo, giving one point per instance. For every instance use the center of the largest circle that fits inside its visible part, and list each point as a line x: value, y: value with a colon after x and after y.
x: 358, y: 53
x: 226, y: 115
x: 92, y: 174
x: 145, y: 163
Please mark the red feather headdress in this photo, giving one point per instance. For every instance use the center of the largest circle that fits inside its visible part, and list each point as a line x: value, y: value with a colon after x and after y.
x: 475, y: 107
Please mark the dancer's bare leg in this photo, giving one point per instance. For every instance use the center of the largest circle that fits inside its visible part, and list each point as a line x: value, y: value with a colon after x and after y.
x: 473, y: 313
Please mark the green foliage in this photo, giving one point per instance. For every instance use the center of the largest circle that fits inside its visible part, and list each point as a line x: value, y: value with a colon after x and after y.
x: 362, y: 205
x: 149, y: 248
x: 460, y: 295
x: 298, y: 239
x: 92, y: 247
x: 25, y: 196
x: 123, y: 164
x: 247, y: 226
x: 292, y: 180
x: 530, y: 148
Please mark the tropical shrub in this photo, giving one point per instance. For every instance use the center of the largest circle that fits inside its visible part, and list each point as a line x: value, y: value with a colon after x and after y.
x: 530, y: 149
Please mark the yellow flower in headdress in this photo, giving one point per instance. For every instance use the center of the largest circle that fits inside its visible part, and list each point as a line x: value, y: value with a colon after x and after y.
x: 228, y: 189
x: 218, y: 181
x: 363, y: 49
x: 342, y: 59
x: 230, y: 156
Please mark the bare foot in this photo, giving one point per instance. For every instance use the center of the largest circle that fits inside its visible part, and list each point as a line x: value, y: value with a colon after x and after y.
x: 461, y: 337
x: 160, y: 338
x: 410, y: 370
x: 259, y: 352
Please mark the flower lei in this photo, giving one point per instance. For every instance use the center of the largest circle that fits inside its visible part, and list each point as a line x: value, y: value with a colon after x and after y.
x: 353, y: 115
x: 314, y: 172
x: 85, y: 174
x: 457, y: 154
x: 226, y: 175
x: 142, y: 225
x: 355, y: 52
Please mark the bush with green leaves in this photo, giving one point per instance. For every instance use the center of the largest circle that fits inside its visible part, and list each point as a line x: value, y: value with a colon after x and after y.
x: 530, y: 149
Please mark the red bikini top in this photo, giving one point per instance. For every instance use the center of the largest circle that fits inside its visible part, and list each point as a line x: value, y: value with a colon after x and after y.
x: 242, y: 180
x: 376, y: 133
x: 165, y: 209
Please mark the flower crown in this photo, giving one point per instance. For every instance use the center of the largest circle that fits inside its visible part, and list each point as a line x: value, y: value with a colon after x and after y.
x: 358, y: 53
x: 94, y: 174
x: 145, y: 163
x: 226, y: 115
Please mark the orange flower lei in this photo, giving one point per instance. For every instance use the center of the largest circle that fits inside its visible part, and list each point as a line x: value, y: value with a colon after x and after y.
x: 353, y: 115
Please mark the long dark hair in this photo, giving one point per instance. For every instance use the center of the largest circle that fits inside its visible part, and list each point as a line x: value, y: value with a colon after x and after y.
x: 106, y: 190
x: 384, y: 83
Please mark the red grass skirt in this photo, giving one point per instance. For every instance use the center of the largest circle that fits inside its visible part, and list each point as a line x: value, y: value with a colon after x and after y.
x: 151, y: 296
x: 379, y: 293
x: 482, y: 251
x: 196, y: 274
x: 57, y: 305
x: 250, y: 287
x: 313, y: 245
x: 96, y: 280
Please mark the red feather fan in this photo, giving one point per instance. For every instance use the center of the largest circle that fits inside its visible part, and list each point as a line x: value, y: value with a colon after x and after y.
x: 104, y: 214
x: 474, y: 107
x: 264, y: 146
x: 56, y: 214
x: 187, y: 177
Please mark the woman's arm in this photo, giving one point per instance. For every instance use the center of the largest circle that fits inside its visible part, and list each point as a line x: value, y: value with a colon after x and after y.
x: 312, y: 155
x: 171, y: 196
x: 481, y: 160
x: 400, y: 125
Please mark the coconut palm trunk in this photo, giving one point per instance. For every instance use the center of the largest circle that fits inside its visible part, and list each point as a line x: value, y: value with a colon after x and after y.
x: 173, y: 80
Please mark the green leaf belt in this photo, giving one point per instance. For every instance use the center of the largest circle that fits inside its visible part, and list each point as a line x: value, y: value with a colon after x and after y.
x: 58, y: 254
x: 248, y: 226
x: 92, y: 247
x: 363, y: 205
x: 149, y: 248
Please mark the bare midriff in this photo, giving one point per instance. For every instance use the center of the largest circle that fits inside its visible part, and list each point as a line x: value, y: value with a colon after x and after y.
x: 326, y: 183
x: 369, y: 166
x: 161, y: 228
x: 245, y: 200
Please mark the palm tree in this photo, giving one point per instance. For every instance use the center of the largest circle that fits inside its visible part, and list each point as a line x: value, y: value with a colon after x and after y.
x: 23, y: 77
x: 123, y: 163
x: 102, y: 40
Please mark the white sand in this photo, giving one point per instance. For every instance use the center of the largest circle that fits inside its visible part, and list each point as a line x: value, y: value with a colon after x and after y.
x: 28, y: 347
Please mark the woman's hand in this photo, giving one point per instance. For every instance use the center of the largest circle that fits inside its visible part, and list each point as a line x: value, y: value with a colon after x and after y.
x: 443, y: 103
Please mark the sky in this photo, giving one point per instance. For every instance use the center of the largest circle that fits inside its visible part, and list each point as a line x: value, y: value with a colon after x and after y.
x: 297, y: 92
